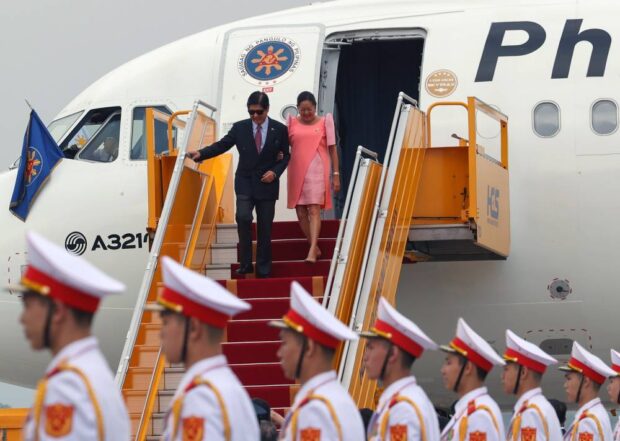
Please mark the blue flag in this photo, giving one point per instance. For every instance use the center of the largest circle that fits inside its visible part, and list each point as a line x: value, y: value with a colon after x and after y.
x: 40, y: 154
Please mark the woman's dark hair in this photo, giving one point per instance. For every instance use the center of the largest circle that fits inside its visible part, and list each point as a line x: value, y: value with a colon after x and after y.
x: 306, y: 96
x: 258, y: 98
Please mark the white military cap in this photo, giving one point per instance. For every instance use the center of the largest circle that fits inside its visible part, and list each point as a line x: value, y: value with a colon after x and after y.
x: 55, y: 273
x: 309, y: 318
x: 398, y: 329
x: 473, y: 347
x: 587, y: 364
x: 194, y: 295
x: 526, y: 353
x: 615, y: 362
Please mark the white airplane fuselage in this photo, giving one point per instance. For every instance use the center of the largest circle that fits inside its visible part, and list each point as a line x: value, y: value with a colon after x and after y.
x: 513, y: 55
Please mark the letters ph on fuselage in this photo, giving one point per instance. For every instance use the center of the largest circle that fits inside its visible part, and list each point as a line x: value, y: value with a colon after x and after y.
x: 494, y: 47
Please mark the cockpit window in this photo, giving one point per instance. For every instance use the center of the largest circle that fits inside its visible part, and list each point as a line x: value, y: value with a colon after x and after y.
x: 138, y: 129
x: 59, y: 127
x: 85, y: 130
x: 103, y: 146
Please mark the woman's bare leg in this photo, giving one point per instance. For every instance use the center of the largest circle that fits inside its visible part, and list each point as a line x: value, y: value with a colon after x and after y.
x: 302, y: 216
x: 314, y: 217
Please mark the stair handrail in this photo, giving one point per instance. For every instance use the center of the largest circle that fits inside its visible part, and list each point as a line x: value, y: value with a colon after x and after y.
x: 151, y: 266
x: 365, y: 278
x: 331, y: 297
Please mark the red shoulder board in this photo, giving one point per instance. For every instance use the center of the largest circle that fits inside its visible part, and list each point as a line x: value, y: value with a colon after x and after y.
x: 310, y: 434
x: 58, y: 420
x: 586, y: 436
x: 528, y: 434
x: 193, y: 428
x: 398, y: 432
x: 478, y: 436
x: 471, y: 407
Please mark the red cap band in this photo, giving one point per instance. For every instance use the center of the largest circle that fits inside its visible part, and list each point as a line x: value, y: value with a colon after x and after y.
x: 311, y: 331
x: 616, y: 368
x: 472, y: 355
x: 66, y: 294
x: 536, y: 366
x: 192, y: 309
x: 585, y: 370
x: 399, y: 339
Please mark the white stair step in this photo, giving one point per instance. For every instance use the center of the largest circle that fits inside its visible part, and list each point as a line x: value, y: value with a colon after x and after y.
x: 218, y: 271
x: 227, y: 233
x: 225, y: 253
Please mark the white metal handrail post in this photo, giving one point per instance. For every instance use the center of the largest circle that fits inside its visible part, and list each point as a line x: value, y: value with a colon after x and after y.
x: 371, y: 251
x: 151, y: 266
x: 345, y: 229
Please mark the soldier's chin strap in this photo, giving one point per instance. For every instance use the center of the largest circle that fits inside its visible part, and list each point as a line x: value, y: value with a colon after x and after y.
x: 385, y: 361
x: 458, y: 379
x: 579, y: 390
x: 185, y: 337
x: 47, y: 340
x: 304, y: 345
x: 518, y: 382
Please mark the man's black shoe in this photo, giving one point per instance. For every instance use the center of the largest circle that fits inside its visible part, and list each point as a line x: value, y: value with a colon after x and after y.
x: 263, y: 276
x: 245, y: 269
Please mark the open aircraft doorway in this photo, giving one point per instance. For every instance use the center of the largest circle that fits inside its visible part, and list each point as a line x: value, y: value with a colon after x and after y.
x: 362, y: 75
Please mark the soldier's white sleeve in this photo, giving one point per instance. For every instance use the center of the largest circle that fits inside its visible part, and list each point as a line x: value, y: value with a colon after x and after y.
x: 315, y: 422
x: 587, y: 430
x: 532, y: 428
x: 201, y: 417
x: 481, y: 427
x: 403, y: 423
x: 68, y: 412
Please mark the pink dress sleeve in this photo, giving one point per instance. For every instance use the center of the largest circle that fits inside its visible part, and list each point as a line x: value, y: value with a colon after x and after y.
x: 330, y: 130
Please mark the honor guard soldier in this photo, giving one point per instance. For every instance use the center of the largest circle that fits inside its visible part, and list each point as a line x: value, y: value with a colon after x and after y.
x: 210, y: 402
x: 477, y: 416
x: 585, y: 373
x: 323, y: 410
x: 613, y: 388
x: 404, y: 411
x: 77, y: 399
x: 534, y: 418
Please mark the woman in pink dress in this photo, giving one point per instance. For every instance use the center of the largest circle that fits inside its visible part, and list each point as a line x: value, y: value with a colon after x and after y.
x: 313, y: 157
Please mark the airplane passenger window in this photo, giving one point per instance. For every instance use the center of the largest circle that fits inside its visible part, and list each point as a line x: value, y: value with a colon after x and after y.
x: 604, y: 117
x: 103, y: 146
x: 85, y: 130
x: 138, y: 137
x: 546, y: 119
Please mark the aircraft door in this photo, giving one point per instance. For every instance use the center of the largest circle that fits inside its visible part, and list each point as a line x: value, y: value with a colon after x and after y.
x: 280, y: 61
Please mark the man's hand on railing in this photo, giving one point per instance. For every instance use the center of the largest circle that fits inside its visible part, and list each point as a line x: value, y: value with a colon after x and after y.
x: 195, y: 155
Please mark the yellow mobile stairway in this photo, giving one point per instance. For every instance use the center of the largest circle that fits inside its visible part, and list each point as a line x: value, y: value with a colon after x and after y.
x: 424, y: 203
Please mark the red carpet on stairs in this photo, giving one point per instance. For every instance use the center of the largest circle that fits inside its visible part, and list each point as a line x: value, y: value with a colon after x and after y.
x: 251, y: 345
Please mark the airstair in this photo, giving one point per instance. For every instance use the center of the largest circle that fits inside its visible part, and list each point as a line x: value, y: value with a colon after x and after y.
x: 426, y: 202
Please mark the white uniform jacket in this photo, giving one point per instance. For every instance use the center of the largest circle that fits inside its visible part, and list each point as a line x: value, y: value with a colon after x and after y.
x: 534, y: 419
x: 211, y: 404
x: 591, y: 423
x: 617, y: 431
x: 477, y: 418
x: 404, y: 413
x: 77, y: 399
x: 323, y: 410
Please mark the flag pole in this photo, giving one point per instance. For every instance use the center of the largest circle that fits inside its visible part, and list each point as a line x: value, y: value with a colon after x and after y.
x: 29, y: 105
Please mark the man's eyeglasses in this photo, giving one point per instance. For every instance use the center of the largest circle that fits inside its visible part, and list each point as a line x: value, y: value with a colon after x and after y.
x: 257, y: 112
